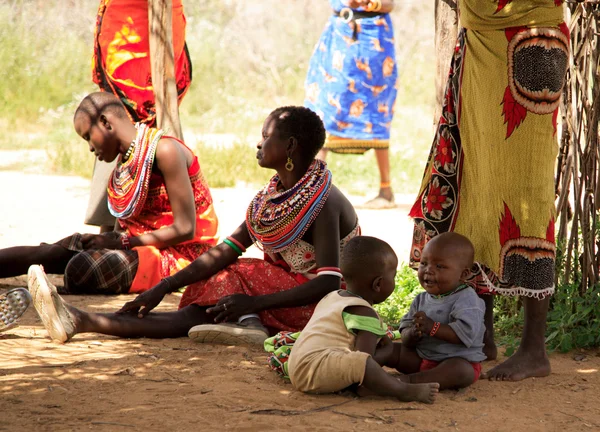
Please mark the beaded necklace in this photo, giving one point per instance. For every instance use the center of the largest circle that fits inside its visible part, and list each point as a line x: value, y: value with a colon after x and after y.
x: 278, y: 219
x: 128, y: 186
x: 454, y: 291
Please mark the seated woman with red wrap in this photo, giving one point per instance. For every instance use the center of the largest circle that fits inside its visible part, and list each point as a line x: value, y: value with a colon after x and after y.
x: 299, y: 219
x: 158, y: 194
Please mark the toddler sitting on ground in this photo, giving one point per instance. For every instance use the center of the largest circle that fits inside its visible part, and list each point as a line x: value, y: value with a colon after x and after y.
x: 442, y: 333
x: 337, y: 348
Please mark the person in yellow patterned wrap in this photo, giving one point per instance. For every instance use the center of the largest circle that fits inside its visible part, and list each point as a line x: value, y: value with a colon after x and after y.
x: 490, y: 171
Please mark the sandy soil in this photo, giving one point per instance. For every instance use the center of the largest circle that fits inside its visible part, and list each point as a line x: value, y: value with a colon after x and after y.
x: 102, y: 383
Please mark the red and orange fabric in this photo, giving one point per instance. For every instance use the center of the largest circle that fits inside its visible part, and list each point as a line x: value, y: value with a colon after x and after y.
x: 253, y: 277
x: 154, y: 263
x: 121, y: 61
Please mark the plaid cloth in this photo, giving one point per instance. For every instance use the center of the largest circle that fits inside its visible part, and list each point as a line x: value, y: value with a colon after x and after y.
x: 99, y: 271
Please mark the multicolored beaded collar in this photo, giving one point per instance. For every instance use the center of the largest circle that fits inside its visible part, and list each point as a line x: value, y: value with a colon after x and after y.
x: 277, y: 219
x: 128, y: 187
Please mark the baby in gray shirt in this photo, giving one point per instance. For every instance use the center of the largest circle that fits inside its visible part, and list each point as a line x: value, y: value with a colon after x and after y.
x: 442, y: 333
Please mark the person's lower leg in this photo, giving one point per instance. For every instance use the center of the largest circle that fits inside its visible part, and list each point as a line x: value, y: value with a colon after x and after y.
x: 489, y: 349
x: 154, y: 325
x: 383, y: 163
x: 379, y: 382
x: 531, y: 359
x: 453, y: 373
x: 15, y: 261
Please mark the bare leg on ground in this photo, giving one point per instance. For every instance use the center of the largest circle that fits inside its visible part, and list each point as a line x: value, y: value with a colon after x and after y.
x: 379, y: 382
x: 531, y: 359
x: 453, y: 373
x: 15, y: 261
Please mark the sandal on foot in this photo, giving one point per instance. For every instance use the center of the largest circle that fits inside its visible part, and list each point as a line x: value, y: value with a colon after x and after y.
x: 228, y: 334
x: 378, y: 203
x: 49, y: 306
x: 13, y: 305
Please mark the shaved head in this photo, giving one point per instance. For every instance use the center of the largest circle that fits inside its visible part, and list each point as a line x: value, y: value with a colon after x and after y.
x: 98, y: 103
x: 454, y: 244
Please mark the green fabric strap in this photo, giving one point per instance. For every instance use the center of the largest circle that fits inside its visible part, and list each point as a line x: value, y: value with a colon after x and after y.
x: 355, y: 323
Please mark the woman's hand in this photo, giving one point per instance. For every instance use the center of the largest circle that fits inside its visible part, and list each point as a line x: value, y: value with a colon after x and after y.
x: 146, y: 301
x: 232, y: 307
x: 95, y: 241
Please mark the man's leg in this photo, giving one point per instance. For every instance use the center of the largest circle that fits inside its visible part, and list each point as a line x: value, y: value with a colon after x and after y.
x: 530, y: 360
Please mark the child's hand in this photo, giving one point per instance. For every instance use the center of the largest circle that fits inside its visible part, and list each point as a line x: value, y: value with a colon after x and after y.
x: 423, y: 323
x: 410, y: 336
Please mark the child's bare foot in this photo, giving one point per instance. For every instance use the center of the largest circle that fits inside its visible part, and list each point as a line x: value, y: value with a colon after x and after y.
x: 425, y: 393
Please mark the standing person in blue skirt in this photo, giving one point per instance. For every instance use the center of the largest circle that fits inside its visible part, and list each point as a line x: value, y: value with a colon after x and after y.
x: 351, y: 84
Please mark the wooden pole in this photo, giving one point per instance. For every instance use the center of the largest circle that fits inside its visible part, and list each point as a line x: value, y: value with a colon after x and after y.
x: 446, y: 32
x: 162, y: 61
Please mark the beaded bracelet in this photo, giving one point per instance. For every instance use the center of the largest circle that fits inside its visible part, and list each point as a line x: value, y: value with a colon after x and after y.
x: 237, y: 243
x: 336, y: 269
x: 329, y: 271
x: 233, y: 246
x: 435, y: 328
x: 125, y: 242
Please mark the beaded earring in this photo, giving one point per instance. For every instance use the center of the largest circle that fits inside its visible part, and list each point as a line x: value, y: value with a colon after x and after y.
x: 290, y: 164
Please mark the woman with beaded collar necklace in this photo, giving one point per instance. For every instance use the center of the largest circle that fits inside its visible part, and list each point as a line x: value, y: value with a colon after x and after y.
x: 299, y: 219
x: 157, y: 192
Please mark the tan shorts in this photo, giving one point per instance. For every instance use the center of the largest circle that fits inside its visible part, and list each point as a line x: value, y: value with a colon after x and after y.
x: 328, y: 371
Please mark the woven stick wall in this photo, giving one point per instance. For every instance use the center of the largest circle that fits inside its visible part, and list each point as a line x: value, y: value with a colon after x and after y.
x: 577, y: 179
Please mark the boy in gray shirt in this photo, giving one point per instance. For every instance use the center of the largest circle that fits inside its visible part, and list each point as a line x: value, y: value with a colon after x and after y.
x: 442, y: 333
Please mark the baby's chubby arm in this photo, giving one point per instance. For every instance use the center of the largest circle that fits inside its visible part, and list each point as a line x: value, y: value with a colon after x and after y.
x: 425, y: 325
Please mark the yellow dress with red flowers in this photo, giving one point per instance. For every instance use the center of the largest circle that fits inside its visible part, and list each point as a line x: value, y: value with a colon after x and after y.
x: 490, y: 172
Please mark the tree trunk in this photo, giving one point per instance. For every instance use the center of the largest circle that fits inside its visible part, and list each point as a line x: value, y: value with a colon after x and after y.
x: 162, y: 60
x: 446, y: 31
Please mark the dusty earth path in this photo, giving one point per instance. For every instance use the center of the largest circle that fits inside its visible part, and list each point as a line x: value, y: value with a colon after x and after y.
x: 102, y: 383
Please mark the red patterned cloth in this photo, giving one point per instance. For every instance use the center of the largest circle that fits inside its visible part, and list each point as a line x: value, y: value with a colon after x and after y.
x: 253, y: 277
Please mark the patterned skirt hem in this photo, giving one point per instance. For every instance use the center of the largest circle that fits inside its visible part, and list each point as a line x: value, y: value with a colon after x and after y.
x: 352, y: 146
x: 538, y: 294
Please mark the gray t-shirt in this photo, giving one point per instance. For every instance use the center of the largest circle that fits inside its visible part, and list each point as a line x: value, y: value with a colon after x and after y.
x: 464, y: 312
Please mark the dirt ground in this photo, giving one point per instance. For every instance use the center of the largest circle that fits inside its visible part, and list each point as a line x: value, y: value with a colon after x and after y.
x: 102, y: 383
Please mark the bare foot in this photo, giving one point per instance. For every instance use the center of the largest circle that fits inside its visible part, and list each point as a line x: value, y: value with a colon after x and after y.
x: 425, y: 393
x: 523, y: 364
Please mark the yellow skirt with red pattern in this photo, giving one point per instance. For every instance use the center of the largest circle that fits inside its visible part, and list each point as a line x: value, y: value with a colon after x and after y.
x: 490, y: 172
